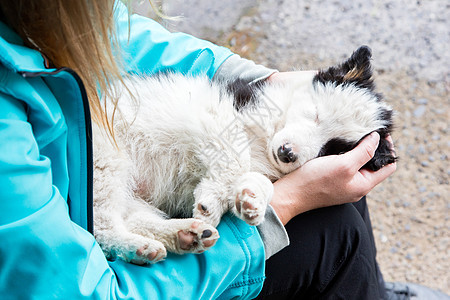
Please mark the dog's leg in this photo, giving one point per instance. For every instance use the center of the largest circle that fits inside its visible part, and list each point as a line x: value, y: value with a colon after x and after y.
x: 113, y: 201
x: 177, y: 235
x: 112, y: 204
x: 252, y: 193
x: 247, y: 198
x: 117, y: 241
x: 211, y: 200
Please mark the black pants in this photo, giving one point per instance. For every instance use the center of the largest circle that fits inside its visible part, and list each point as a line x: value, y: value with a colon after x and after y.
x: 331, y: 256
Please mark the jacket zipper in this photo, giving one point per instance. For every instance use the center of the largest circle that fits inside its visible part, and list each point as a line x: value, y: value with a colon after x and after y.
x: 88, y: 126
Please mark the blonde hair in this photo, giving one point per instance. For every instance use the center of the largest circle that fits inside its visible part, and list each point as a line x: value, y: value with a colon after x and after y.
x: 79, y: 34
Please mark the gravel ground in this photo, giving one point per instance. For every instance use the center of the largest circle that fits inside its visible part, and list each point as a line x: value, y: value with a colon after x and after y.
x: 410, y: 42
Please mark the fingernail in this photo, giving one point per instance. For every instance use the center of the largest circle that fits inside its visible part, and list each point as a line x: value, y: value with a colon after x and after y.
x: 374, y: 136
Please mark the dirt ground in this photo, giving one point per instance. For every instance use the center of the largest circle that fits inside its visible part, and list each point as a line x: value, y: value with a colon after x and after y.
x: 410, y: 41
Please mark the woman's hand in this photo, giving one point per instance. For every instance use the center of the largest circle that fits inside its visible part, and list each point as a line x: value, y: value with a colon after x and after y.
x: 329, y: 180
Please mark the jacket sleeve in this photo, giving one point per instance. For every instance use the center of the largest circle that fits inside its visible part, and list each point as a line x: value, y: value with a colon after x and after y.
x: 44, y: 255
x: 149, y: 48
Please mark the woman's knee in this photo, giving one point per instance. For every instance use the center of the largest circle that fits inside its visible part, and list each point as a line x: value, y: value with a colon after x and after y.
x: 325, y: 243
x: 331, y: 227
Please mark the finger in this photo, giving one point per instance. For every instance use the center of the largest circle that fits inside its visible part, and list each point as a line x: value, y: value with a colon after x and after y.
x: 389, y: 138
x: 391, y: 142
x: 364, y: 152
x: 374, y: 178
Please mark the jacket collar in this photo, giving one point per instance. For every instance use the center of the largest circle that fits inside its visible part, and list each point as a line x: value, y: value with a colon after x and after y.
x: 17, y: 57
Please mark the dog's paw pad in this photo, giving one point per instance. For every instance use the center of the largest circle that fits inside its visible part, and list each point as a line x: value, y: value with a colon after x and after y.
x: 153, y: 256
x: 248, y: 208
x: 203, y: 209
x: 149, y: 253
x: 198, y: 237
x: 253, y: 193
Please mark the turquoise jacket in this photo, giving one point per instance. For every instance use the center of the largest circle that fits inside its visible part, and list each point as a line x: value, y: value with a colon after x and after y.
x: 46, y: 248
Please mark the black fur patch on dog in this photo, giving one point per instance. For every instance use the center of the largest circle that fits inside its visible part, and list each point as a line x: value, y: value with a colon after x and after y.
x: 356, y: 70
x: 383, y: 155
x: 336, y: 146
x: 245, y: 94
x: 386, y: 115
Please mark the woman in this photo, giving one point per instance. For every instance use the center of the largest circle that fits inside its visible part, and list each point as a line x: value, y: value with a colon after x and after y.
x: 54, y: 58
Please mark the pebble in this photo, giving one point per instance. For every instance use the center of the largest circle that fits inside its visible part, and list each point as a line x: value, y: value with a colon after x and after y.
x: 422, y: 149
x: 422, y: 101
x: 424, y: 164
x: 433, y: 194
x: 419, y: 111
x: 422, y: 189
x: 415, y: 219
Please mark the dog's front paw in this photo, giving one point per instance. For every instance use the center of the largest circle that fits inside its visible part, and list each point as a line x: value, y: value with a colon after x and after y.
x: 253, y: 193
x: 197, y: 238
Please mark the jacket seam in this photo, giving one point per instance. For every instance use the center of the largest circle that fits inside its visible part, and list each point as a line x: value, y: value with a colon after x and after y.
x: 198, y: 56
x: 247, y: 282
x: 49, y: 136
x: 245, y: 250
x: 88, y: 138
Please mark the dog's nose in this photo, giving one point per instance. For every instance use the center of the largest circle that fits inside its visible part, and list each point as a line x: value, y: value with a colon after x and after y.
x: 286, y: 155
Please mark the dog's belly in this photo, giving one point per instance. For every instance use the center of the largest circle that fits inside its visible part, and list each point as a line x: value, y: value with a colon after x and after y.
x: 173, y: 138
x: 169, y: 185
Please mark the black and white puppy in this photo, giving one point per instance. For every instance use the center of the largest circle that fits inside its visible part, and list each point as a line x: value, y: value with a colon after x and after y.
x: 190, y: 150
x: 326, y: 113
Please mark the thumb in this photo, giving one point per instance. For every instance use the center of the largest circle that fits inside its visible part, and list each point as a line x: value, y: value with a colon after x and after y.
x: 365, y: 150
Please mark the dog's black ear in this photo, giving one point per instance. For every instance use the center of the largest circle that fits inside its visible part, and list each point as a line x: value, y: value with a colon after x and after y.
x: 244, y: 93
x: 356, y: 70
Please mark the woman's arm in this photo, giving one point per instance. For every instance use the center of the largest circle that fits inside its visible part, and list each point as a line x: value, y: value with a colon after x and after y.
x: 149, y: 48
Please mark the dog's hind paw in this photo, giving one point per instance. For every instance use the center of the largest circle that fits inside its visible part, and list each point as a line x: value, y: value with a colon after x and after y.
x: 147, y: 254
x: 148, y: 251
x: 197, y: 238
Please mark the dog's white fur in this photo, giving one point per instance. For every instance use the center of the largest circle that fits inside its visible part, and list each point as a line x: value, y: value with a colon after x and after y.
x: 184, y: 151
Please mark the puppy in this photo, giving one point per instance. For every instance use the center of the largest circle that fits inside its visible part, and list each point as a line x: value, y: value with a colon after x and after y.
x: 189, y: 150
